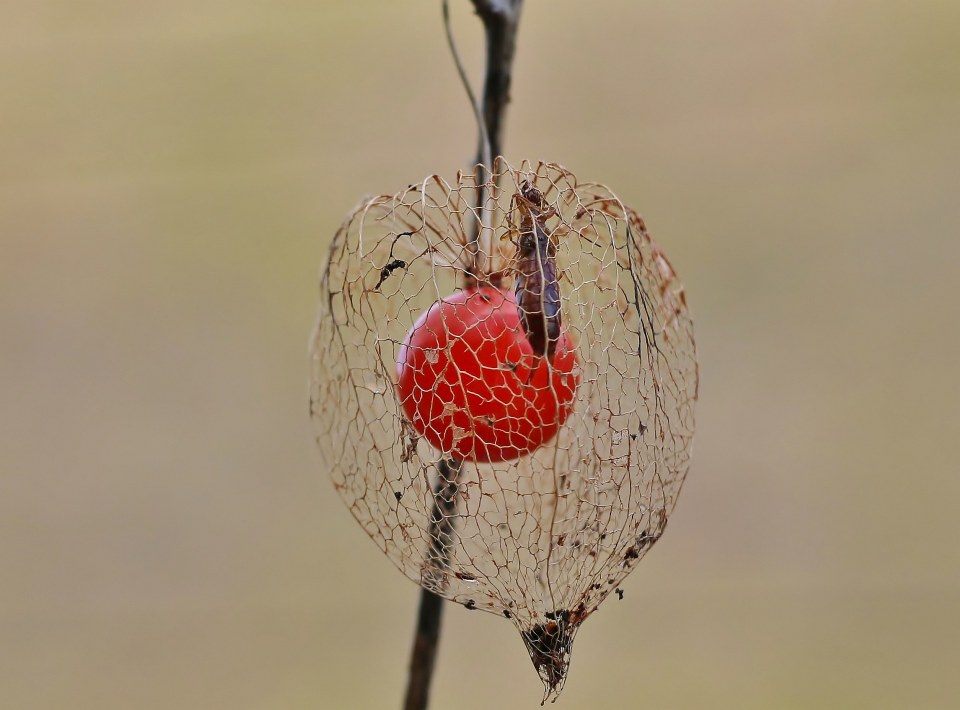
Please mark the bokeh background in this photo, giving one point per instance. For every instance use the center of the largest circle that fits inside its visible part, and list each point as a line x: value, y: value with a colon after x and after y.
x: 170, y: 176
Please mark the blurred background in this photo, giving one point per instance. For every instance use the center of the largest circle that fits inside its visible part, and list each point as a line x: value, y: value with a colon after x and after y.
x: 170, y: 176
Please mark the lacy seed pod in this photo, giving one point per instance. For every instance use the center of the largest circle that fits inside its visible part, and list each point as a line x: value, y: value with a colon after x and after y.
x: 510, y: 421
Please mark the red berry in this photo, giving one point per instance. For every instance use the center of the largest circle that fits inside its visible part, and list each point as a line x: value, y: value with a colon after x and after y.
x: 470, y: 384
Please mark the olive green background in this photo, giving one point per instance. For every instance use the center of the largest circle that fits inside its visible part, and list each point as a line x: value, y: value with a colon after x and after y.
x: 170, y: 175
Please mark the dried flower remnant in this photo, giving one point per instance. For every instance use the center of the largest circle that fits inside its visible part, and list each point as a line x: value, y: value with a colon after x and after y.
x: 538, y: 289
x: 510, y: 426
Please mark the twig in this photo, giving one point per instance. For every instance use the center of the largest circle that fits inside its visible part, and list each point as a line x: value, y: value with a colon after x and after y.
x: 483, y: 155
x: 500, y: 21
x: 442, y: 534
x: 501, y: 18
x: 424, y: 652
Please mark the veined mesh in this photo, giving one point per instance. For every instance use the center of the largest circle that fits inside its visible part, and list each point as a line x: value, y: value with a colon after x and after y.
x: 544, y: 538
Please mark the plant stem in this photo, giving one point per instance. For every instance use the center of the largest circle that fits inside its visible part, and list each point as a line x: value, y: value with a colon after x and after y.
x: 424, y: 652
x: 501, y: 18
x: 442, y: 536
x: 500, y: 21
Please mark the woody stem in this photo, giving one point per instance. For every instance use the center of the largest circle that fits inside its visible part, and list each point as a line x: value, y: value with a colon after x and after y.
x: 500, y: 21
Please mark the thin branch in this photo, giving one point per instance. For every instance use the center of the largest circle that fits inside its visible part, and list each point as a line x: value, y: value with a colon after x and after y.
x: 500, y: 18
x: 500, y: 21
x: 442, y: 534
x: 424, y: 653
x: 481, y: 125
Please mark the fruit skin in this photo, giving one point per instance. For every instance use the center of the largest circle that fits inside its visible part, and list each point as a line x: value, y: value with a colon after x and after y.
x: 464, y: 378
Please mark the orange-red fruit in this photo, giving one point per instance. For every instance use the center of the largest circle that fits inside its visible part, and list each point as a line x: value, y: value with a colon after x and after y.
x: 464, y: 378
